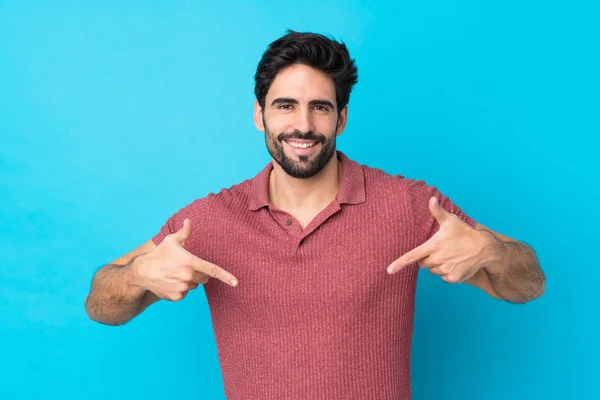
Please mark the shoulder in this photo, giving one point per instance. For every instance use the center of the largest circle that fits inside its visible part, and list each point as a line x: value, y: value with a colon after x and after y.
x: 232, y: 197
x: 383, y: 183
x: 205, y: 210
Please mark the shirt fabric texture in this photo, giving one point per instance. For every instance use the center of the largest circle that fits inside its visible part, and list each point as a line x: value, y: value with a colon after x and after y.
x: 315, y: 314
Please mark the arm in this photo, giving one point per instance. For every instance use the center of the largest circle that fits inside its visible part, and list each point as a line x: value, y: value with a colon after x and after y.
x: 481, y: 280
x: 511, y: 271
x: 457, y: 252
x: 123, y: 289
x: 115, y: 297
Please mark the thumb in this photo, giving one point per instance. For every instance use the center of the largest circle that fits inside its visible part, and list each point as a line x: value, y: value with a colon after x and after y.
x: 437, y: 210
x: 185, y: 232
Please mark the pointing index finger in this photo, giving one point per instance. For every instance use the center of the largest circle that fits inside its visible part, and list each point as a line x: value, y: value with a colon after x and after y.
x: 408, y: 258
x: 214, y: 271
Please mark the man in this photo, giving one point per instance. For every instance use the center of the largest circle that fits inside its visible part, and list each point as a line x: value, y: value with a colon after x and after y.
x: 314, y: 260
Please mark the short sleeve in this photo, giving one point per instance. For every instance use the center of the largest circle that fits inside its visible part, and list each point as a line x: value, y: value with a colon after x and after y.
x: 425, y: 222
x: 193, y: 211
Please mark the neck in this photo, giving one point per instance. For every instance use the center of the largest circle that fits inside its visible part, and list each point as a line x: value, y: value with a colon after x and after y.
x: 313, y: 194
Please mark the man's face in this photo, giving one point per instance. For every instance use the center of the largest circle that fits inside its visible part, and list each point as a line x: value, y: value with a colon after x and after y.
x: 300, y: 120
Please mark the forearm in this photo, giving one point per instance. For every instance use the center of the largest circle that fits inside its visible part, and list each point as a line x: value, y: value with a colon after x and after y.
x: 514, y: 271
x: 114, y: 297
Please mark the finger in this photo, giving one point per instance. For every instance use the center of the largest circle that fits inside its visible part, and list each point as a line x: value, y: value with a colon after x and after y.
x: 436, y: 270
x: 414, y: 255
x: 439, y: 212
x: 214, y: 271
x: 449, y: 278
x: 199, y: 277
x: 428, y: 262
x: 184, y: 233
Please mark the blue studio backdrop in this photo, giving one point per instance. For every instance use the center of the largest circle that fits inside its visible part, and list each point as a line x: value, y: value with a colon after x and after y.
x: 113, y: 116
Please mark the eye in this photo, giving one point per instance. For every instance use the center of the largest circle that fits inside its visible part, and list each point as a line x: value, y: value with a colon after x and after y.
x: 285, y: 107
x: 321, y: 108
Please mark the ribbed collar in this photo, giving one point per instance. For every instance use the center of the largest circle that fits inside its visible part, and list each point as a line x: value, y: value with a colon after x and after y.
x: 351, y: 191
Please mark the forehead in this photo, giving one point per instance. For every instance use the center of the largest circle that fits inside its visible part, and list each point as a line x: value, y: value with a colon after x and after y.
x: 302, y: 83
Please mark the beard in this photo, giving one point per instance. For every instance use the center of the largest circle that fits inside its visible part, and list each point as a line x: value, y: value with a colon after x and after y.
x: 305, y: 166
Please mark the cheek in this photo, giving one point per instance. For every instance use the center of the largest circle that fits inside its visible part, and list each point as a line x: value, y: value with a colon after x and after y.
x: 330, y: 131
x: 278, y: 123
x: 330, y: 123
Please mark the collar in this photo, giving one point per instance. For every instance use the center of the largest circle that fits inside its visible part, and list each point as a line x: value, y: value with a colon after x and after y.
x: 351, y: 191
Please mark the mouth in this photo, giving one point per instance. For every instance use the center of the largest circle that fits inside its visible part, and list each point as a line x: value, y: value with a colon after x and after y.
x: 302, y: 147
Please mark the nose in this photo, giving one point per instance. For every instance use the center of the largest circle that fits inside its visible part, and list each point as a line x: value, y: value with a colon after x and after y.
x: 303, y: 121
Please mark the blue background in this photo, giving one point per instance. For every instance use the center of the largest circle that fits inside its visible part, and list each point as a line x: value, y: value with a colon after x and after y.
x: 114, y: 116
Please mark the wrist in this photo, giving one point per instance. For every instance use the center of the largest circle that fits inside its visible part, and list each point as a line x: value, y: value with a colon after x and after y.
x: 495, y: 249
x: 134, y: 272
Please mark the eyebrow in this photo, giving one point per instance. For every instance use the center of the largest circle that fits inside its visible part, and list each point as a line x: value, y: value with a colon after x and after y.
x: 312, y: 103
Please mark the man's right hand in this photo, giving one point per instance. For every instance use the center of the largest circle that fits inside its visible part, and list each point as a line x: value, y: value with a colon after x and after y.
x: 169, y: 271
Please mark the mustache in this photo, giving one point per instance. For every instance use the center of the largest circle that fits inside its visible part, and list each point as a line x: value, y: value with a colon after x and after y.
x: 302, y: 136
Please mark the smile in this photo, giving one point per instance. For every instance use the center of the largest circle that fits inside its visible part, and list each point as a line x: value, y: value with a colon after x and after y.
x: 301, y: 145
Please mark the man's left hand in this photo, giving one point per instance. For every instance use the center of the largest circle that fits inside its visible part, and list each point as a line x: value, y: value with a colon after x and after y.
x: 456, y: 251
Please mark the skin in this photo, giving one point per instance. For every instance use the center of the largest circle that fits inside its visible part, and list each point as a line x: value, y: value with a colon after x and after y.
x: 501, y: 266
x: 310, y: 112
x: 301, y: 104
x: 124, y: 288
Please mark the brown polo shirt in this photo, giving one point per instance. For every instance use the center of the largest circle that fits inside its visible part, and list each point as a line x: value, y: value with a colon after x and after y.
x: 315, y: 314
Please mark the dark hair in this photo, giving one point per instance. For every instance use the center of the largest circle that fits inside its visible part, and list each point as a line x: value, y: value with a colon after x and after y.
x: 314, y: 50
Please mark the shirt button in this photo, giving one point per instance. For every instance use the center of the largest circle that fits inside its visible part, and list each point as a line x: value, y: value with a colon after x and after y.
x: 288, y: 222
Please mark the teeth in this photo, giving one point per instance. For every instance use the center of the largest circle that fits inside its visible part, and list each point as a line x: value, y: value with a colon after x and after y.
x: 301, y: 145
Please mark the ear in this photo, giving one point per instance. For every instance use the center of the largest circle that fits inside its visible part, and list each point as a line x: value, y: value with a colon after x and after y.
x: 341, y: 124
x: 258, y: 118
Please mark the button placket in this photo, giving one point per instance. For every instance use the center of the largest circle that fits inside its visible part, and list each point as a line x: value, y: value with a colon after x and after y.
x: 290, y: 224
